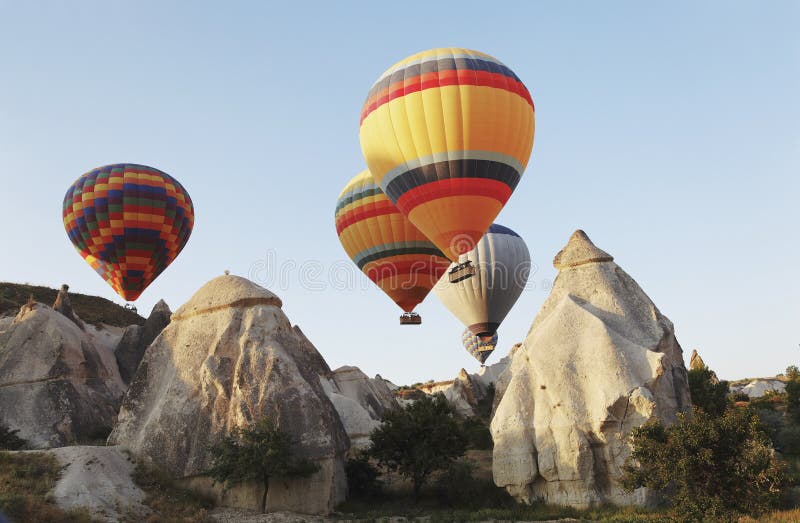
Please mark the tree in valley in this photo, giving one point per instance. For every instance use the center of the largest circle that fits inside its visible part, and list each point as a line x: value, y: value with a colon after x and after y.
x: 419, y: 439
x: 257, y: 453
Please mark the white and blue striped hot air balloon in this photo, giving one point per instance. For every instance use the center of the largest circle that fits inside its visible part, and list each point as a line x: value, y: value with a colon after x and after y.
x: 502, y: 264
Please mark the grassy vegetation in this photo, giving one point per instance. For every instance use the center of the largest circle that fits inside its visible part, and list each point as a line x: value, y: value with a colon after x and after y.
x: 493, y: 505
x: 781, y: 516
x: 169, y: 502
x: 25, y: 480
x: 91, y: 309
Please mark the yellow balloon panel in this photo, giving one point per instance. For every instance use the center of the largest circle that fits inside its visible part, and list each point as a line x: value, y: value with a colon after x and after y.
x: 445, y: 124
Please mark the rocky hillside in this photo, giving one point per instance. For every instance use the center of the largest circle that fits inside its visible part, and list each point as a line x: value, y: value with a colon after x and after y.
x: 91, y: 309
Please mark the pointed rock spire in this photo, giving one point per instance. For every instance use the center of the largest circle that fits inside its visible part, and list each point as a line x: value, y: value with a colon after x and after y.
x: 135, y: 340
x: 579, y: 251
x: 696, y: 362
x: 64, y: 306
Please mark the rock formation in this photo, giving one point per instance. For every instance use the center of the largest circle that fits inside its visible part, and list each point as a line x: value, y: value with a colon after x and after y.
x: 696, y: 362
x: 228, y: 358
x: 599, y: 360
x: 64, y: 306
x: 360, y: 402
x: 98, y: 479
x: 58, y: 383
x: 467, y: 391
x: 136, y: 339
x: 760, y: 387
x: 503, y: 377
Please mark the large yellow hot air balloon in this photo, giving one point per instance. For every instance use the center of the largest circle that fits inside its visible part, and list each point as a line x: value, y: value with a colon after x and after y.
x: 447, y: 134
x: 386, y: 246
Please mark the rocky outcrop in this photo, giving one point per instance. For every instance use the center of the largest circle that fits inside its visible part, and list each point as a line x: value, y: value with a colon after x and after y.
x: 360, y: 402
x: 696, y: 362
x: 64, y: 306
x: 761, y: 387
x: 599, y: 360
x: 503, y: 377
x: 407, y: 396
x: 468, y: 391
x: 136, y: 339
x: 98, y: 479
x: 228, y: 358
x: 58, y: 383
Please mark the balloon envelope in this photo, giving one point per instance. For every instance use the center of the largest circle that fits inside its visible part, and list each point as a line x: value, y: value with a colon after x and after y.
x: 385, y: 245
x: 447, y: 134
x: 128, y: 222
x: 502, y: 264
x: 478, y: 348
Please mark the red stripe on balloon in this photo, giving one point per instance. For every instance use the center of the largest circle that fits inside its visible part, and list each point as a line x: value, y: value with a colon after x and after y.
x: 453, y: 187
x: 362, y: 213
x: 443, y: 79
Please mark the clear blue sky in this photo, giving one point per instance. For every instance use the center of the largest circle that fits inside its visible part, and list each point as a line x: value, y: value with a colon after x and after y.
x: 669, y: 133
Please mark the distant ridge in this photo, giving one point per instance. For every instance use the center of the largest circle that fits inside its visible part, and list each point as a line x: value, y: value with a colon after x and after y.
x: 91, y: 309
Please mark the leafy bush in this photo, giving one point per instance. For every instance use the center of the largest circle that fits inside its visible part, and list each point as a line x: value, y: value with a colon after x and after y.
x: 362, y: 478
x: 772, y: 421
x: 477, y: 433
x: 707, y: 392
x: 9, y: 439
x: 740, y: 396
x: 456, y: 487
x: 788, y: 440
x: 168, y: 500
x: 419, y: 439
x: 793, y: 393
x: 711, y: 467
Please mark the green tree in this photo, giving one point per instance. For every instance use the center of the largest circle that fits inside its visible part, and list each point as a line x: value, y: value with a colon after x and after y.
x: 708, y: 392
x: 257, y: 453
x: 362, y: 478
x: 419, y: 439
x: 9, y: 439
x: 711, y: 467
x: 793, y: 393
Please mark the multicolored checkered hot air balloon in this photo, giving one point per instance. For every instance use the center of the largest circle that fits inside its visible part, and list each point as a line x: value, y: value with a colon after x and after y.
x: 447, y: 134
x: 129, y: 222
x: 478, y: 348
x: 385, y: 246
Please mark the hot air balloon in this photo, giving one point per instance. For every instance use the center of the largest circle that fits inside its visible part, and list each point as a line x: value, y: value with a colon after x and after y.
x: 478, y: 348
x: 447, y: 134
x: 129, y: 222
x: 386, y: 246
x: 482, y: 302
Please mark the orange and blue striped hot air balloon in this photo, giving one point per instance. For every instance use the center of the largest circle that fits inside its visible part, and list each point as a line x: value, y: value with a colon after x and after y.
x: 129, y: 222
x: 385, y: 246
x: 447, y: 134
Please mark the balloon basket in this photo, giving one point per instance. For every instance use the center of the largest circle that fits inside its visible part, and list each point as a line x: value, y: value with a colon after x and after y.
x: 410, y: 318
x: 461, y: 272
